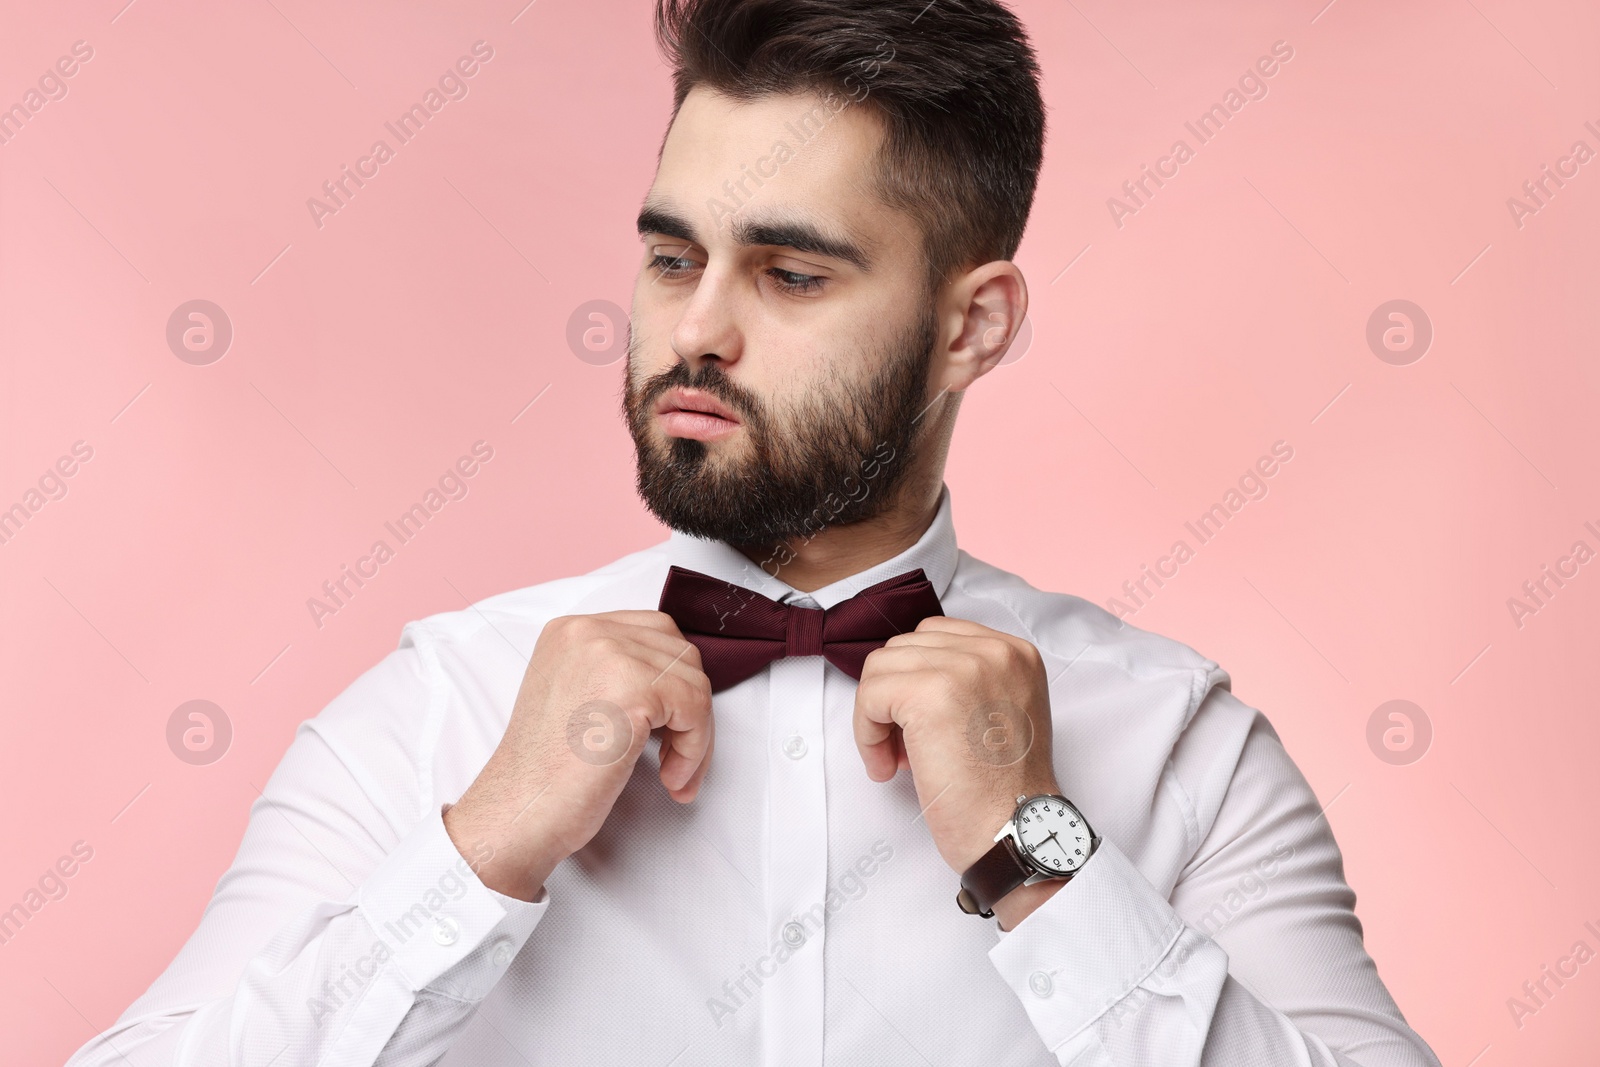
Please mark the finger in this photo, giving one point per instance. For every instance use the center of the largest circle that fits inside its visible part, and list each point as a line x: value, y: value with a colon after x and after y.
x: 874, y: 726
x: 658, y: 690
x: 691, y: 788
x: 688, y: 730
x: 671, y: 642
x: 596, y: 640
x: 989, y: 641
x: 937, y: 630
x: 655, y: 628
x: 682, y: 690
x: 663, y: 655
x: 685, y: 754
x: 656, y: 621
x: 881, y: 758
x: 946, y: 624
x: 950, y: 656
x: 911, y: 657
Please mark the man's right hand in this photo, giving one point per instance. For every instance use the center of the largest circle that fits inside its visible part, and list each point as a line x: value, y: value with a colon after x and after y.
x: 595, y: 688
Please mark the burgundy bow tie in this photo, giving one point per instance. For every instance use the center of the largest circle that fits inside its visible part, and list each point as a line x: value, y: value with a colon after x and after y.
x: 738, y: 631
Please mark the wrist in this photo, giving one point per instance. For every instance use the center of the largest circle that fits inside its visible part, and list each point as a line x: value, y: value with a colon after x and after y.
x: 981, y: 837
x: 514, y: 866
x: 1022, y: 901
x: 1041, y: 845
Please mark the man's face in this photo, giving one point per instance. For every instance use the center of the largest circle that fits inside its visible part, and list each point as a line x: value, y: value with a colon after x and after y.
x: 775, y: 290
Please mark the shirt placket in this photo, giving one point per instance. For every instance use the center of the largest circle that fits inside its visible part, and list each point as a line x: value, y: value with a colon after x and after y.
x: 797, y: 863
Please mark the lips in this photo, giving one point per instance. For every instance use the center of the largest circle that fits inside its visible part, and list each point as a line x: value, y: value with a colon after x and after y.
x: 693, y: 400
x: 695, y: 415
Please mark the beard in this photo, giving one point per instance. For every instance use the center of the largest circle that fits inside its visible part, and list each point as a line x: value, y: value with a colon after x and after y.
x: 836, y: 457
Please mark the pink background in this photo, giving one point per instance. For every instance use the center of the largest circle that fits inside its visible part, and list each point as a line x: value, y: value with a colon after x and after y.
x: 1168, y: 354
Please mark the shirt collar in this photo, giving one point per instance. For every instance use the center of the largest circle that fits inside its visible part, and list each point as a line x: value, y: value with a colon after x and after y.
x: 934, y: 552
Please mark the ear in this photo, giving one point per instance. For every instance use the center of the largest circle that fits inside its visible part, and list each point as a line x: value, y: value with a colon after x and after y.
x: 984, y: 309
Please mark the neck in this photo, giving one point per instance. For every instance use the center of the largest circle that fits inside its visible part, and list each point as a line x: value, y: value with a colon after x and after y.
x: 837, y: 552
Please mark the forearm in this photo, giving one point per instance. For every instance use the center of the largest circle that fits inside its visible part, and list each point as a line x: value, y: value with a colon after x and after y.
x: 385, y: 977
x: 505, y: 845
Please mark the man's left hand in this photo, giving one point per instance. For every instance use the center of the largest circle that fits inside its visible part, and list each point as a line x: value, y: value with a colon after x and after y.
x: 967, y: 710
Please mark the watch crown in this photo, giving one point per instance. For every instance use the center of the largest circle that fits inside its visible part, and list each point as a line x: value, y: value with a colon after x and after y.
x: 1021, y: 797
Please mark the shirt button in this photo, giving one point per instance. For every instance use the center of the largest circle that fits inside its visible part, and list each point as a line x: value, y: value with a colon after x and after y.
x: 1041, y: 984
x: 795, y: 747
x: 445, y: 931
x: 502, y: 952
x: 794, y: 934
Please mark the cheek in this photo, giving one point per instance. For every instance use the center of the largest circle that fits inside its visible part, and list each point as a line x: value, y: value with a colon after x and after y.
x: 636, y: 403
x: 810, y: 366
x: 794, y: 394
x: 637, y: 373
x: 648, y: 351
x: 650, y: 320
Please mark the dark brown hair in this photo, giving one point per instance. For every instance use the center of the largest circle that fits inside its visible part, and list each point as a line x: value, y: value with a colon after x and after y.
x: 954, y: 81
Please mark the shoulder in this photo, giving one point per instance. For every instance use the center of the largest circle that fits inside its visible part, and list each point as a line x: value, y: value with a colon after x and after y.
x: 1067, y: 627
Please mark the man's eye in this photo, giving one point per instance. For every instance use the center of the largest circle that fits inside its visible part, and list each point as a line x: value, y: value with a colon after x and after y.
x: 670, y: 265
x: 787, y: 280
x: 791, y: 282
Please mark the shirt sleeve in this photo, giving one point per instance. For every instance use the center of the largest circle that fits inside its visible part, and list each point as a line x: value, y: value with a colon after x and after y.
x: 349, y: 929
x: 1255, y: 957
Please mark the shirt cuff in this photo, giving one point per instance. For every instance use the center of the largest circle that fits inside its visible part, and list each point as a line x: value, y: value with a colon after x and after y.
x: 431, y: 911
x: 1088, y: 946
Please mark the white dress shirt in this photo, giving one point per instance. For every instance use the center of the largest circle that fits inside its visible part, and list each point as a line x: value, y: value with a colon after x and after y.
x: 796, y: 912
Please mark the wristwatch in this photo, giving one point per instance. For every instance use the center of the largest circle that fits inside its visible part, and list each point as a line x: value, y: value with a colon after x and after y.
x: 1045, y: 838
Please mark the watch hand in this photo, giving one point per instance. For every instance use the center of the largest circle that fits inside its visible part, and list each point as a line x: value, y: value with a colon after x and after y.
x: 1059, y: 845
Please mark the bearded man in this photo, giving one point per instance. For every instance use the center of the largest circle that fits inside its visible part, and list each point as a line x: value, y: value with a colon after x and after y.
x: 804, y: 783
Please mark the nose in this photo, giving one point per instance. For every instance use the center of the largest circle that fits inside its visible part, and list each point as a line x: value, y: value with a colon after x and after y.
x: 708, y: 328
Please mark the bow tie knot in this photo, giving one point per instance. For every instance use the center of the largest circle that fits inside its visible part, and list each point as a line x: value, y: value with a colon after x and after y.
x: 735, y: 644
x: 804, y: 635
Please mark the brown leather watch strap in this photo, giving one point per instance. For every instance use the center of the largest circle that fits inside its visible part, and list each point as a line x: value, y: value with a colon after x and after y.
x: 997, y: 872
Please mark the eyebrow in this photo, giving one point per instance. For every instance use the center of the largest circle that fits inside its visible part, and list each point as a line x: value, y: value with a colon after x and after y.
x: 798, y: 234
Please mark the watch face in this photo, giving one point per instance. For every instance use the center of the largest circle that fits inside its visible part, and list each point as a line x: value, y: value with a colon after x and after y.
x: 1053, y: 835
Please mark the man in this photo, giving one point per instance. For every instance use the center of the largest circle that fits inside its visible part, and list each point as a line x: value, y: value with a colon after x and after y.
x: 804, y: 783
